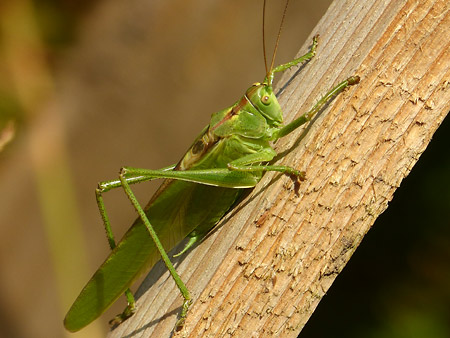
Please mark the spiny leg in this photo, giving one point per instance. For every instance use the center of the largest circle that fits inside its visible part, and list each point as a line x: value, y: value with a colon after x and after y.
x: 252, y: 163
x: 287, y: 129
x: 295, y: 175
x: 283, y: 67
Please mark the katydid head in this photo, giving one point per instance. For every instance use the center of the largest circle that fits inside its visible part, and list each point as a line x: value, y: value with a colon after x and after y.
x: 262, y: 97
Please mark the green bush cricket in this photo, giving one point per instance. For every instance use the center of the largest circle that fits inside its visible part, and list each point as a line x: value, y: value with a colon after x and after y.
x: 230, y: 155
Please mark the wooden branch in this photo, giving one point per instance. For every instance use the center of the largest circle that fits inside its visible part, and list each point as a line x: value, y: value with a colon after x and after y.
x: 268, y: 264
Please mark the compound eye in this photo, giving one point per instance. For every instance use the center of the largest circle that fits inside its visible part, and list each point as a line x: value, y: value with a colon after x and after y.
x: 265, y: 99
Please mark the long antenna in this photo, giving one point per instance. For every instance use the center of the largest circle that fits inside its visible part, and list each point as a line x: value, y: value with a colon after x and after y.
x: 264, y: 37
x: 279, y: 34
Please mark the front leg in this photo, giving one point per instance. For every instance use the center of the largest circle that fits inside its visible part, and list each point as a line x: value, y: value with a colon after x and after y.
x: 281, y: 68
x: 287, y: 129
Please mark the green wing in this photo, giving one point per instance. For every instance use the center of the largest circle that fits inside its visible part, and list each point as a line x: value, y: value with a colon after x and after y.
x: 178, y: 209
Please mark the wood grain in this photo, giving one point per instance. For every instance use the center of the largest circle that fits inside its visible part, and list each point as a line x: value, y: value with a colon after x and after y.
x: 269, y: 263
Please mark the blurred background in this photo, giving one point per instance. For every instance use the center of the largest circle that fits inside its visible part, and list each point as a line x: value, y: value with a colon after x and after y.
x: 89, y: 86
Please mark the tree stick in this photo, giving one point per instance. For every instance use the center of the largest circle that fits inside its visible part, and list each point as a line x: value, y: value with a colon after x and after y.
x: 269, y: 262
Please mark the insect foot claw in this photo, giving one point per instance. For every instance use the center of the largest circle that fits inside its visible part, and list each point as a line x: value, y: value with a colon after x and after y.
x: 353, y: 80
x: 120, y: 318
x: 297, y: 177
x: 180, y: 322
x: 301, y: 176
